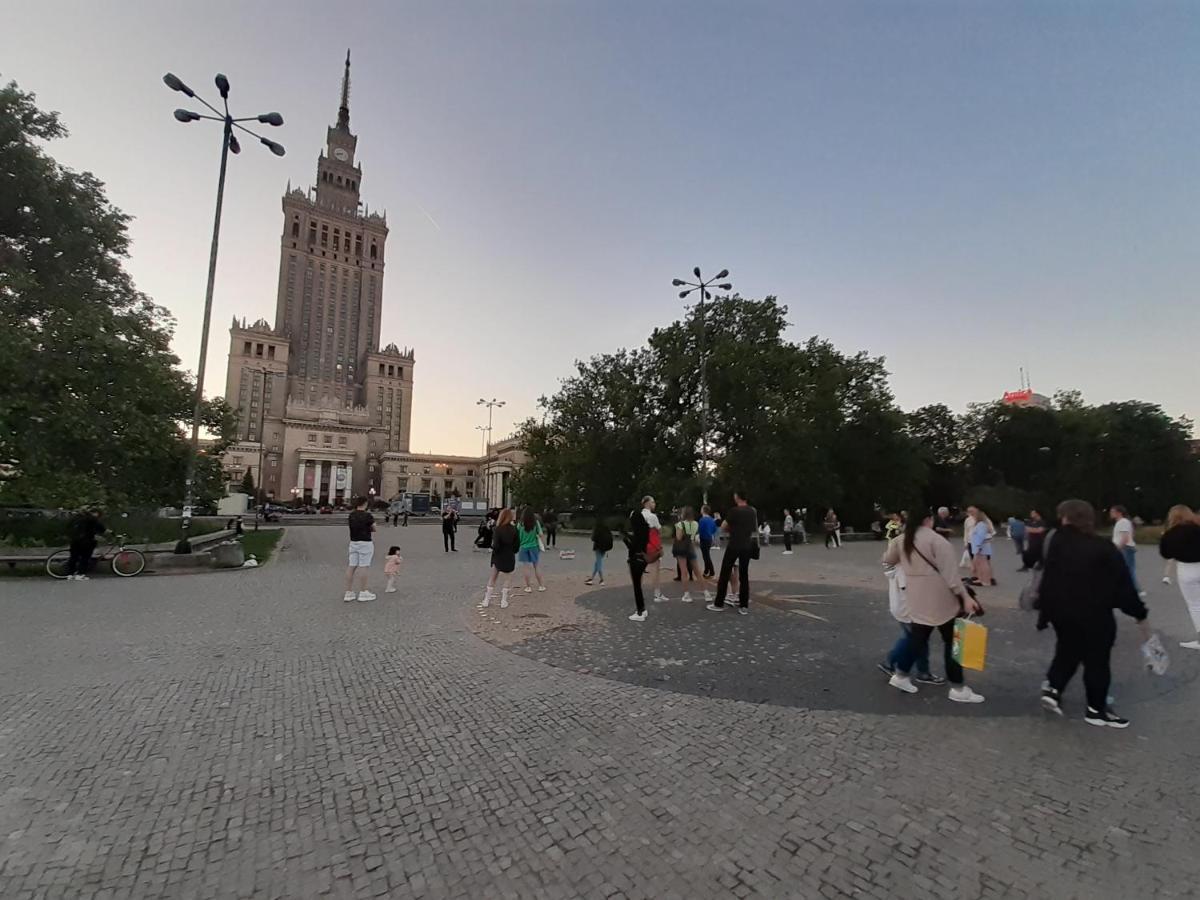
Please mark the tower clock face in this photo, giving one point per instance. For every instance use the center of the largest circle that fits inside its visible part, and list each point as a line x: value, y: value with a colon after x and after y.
x: 340, y: 154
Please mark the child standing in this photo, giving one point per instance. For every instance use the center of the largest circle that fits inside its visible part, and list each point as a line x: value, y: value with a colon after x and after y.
x: 391, y: 568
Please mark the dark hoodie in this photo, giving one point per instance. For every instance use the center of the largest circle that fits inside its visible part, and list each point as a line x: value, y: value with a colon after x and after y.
x: 1181, y: 543
x: 638, y: 537
x: 1085, y: 578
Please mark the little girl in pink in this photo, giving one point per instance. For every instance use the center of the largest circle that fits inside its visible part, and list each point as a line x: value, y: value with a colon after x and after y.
x: 391, y: 568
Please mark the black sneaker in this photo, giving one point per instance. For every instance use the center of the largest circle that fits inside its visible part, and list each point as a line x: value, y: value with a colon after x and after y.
x: 1108, y: 717
x: 928, y: 678
x: 1052, y: 701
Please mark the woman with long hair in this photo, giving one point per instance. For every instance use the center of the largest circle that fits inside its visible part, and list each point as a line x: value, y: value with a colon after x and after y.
x: 653, y: 547
x: 684, y: 547
x: 505, y: 543
x: 981, y: 547
x: 935, y: 598
x: 1181, y: 543
x: 529, y: 534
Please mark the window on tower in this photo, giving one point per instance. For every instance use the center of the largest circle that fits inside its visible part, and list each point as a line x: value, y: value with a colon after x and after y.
x: 295, y: 229
x: 372, y: 251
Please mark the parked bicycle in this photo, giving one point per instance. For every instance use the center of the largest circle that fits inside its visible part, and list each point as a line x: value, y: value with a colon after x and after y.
x: 125, y: 561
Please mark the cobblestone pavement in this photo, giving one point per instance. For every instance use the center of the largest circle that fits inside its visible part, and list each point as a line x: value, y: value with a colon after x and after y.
x: 248, y: 734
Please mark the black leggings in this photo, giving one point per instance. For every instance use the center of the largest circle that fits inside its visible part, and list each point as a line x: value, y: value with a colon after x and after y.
x: 1089, y: 644
x: 636, y: 571
x: 448, y: 540
x: 918, y: 648
x: 80, y: 559
x: 742, y: 558
x: 706, y: 552
x: 552, y: 536
x: 832, y: 537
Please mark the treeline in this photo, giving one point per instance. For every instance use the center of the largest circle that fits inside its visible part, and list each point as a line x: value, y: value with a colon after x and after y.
x: 804, y: 424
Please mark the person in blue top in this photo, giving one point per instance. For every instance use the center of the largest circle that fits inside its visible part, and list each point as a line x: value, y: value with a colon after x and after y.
x: 1016, y: 531
x: 707, y: 533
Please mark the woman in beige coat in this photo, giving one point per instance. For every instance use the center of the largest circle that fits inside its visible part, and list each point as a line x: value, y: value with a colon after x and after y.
x: 935, y: 597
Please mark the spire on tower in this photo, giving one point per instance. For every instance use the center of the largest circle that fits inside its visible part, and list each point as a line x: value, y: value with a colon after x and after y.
x: 343, y: 119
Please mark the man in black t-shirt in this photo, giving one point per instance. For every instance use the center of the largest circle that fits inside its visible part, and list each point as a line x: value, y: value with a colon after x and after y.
x: 741, y: 524
x: 362, y: 551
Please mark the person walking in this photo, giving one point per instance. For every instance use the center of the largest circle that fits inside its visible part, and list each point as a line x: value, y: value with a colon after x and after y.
x: 449, y: 529
x: 1016, y: 533
x: 981, y: 548
x: 941, y: 522
x: 1084, y: 578
x: 898, y: 606
x: 391, y: 568
x: 684, y: 547
x: 833, y: 529
x: 1122, y: 538
x: 550, y: 521
x: 741, y: 524
x: 801, y: 533
x: 1180, y: 544
x: 505, y: 544
x: 602, y: 542
x: 935, y: 598
x: 653, y: 546
x: 638, y: 540
x: 361, y: 552
x: 707, y: 532
x: 789, y: 525
x: 1035, y: 537
x: 529, y: 531
x: 404, y: 518
x: 967, y: 561
x: 83, y: 529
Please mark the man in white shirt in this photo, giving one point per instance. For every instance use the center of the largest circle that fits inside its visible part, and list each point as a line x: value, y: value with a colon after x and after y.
x: 1122, y: 536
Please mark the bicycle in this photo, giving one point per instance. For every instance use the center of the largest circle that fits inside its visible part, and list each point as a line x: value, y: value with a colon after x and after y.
x: 125, y: 561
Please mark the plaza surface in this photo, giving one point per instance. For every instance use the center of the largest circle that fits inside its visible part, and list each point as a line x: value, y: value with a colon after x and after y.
x: 248, y: 734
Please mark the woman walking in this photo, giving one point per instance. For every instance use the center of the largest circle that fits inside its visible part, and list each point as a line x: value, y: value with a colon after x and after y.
x: 684, y: 548
x: 637, y: 540
x: 505, y: 543
x: 529, y: 534
x: 981, y: 548
x: 833, y: 530
x: 1181, y: 544
x: 935, y: 598
x: 602, y: 542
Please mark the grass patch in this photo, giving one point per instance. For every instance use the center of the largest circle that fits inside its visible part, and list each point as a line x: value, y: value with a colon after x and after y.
x: 261, y: 543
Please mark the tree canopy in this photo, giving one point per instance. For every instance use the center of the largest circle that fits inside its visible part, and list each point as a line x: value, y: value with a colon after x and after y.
x: 805, y: 424
x: 93, y: 396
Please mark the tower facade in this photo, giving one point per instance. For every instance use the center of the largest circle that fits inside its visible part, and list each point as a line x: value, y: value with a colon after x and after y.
x: 319, y: 403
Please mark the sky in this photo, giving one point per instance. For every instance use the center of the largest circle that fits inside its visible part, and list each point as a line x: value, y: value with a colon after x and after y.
x: 965, y: 188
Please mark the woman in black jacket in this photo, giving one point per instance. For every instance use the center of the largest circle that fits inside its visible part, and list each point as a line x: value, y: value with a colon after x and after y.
x: 602, y: 542
x: 636, y: 540
x: 1084, y: 579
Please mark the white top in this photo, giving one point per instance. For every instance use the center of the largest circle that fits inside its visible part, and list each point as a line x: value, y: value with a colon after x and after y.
x: 651, y: 519
x: 787, y: 523
x: 1123, y: 533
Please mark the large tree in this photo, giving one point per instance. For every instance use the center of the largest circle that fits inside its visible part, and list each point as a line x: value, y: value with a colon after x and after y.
x: 93, y: 396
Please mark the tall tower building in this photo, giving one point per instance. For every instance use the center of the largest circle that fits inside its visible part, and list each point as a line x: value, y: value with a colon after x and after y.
x: 318, y: 402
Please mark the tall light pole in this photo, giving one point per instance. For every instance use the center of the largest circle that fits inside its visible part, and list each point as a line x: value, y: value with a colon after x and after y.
x: 229, y: 142
x: 700, y: 288
x: 487, y: 462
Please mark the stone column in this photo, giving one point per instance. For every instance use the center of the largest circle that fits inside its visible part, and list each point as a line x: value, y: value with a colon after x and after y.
x: 349, y: 482
x: 300, y: 480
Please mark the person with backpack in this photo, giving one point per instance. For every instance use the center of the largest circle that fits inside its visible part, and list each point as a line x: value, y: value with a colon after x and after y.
x: 602, y: 542
x: 83, y: 529
x: 684, y: 547
x: 638, y: 541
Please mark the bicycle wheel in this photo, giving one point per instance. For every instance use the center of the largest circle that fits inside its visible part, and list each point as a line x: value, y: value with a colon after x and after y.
x: 128, y: 563
x: 56, y: 565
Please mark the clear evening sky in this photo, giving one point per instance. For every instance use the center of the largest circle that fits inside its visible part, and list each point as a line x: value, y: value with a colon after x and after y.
x: 964, y: 188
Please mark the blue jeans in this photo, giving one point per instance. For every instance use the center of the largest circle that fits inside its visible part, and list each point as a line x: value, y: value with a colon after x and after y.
x: 1130, y: 554
x: 897, y: 652
x: 598, y: 567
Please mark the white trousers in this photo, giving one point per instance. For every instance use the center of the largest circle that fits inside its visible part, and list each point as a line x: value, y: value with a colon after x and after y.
x: 1188, y: 576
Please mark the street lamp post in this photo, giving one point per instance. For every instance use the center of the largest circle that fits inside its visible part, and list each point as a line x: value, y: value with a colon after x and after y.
x: 262, y: 421
x: 229, y: 142
x: 487, y: 461
x: 700, y: 288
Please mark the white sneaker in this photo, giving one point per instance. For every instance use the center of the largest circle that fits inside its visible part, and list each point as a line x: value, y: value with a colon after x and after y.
x: 787, y: 553
x: 390, y: 590
x: 638, y: 617
x: 686, y: 598
x: 486, y: 601
x: 708, y: 597
x: 1142, y: 594
x: 1166, y: 579
x: 504, y: 600
x: 350, y: 595
x: 541, y: 588
x: 364, y: 596
x: 661, y: 598
x: 82, y: 578
x: 903, y: 683
x: 963, y: 694
x: 528, y: 589
x: 1190, y: 645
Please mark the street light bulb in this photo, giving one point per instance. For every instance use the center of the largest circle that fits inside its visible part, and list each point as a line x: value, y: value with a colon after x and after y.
x: 273, y: 118
x: 275, y: 148
x: 683, y: 295
x: 676, y: 282
x: 222, y: 84
x: 176, y: 85
x: 186, y: 115
x: 696, y: 272
x: 725, y: 287
x: 724, y: 273
x: 234, y: 146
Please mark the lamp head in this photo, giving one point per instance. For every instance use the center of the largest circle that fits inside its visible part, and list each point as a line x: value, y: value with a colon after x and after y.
x: 186, y: 115
x: 176, y: 85
x: 234, y: 146
x: 222, y: 84
x: 724, y: 273
x: 696, y: 272
x: 676, y: 282
x: 275, y: 148
x: 272, y: 118
x: 725, y: 287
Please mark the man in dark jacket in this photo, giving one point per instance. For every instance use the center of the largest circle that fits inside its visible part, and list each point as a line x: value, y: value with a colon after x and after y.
x: 1084, y: 579
x: 83, y: 530
x: 636, y: 540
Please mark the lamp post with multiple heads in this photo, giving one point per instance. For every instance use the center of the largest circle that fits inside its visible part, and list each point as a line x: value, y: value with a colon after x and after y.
x: 229, y: 143
x: 487, y: 462
x: 700, y: 288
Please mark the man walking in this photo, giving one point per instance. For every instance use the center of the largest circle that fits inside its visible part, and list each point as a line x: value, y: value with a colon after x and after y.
x: 550, y: 523
x: 789, y: 525
x: 707, y: 533
x: 1122, y: 537
x: 741, y: 524
x: 362, y: 551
